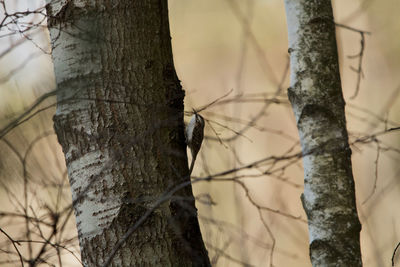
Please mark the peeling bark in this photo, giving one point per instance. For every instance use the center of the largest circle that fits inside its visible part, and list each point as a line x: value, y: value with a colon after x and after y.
x: 119, y: 120
x: 316, y: 97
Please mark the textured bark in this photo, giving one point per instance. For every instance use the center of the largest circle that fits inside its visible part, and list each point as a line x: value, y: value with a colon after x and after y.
x: 119, y: 120
x: 316, y: 97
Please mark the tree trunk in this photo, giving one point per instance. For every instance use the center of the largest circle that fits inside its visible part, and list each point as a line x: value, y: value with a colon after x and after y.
x: 119, y: 120
x: 316, y: 97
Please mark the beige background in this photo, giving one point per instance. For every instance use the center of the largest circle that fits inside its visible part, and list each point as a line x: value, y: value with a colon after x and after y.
x: 213, y: 54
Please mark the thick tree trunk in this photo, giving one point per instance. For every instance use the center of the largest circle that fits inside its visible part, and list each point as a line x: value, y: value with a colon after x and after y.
x: 318, y: 105
x: 119, y: 120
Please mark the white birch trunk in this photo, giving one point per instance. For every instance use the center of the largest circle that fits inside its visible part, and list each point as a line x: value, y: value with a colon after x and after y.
x: 318, y: 105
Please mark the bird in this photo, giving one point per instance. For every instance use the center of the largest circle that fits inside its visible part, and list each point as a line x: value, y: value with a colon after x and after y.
x: 194, y: 136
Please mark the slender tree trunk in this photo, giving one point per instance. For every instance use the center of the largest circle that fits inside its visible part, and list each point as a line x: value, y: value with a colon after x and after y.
x: 318, y: 105
x: 119, y: 120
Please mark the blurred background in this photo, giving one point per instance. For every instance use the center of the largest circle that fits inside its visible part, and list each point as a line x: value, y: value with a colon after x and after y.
x: 234, y: 51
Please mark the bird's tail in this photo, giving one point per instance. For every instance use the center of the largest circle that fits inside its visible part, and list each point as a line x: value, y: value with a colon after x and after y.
x: 192, y: 165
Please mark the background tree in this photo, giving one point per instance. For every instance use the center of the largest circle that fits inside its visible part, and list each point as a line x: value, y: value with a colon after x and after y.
x: 232, y: 59
x: 318, y: 105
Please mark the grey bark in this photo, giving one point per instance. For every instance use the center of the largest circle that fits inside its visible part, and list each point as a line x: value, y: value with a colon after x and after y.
x: 316, y: 97
x: 119, y: 121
